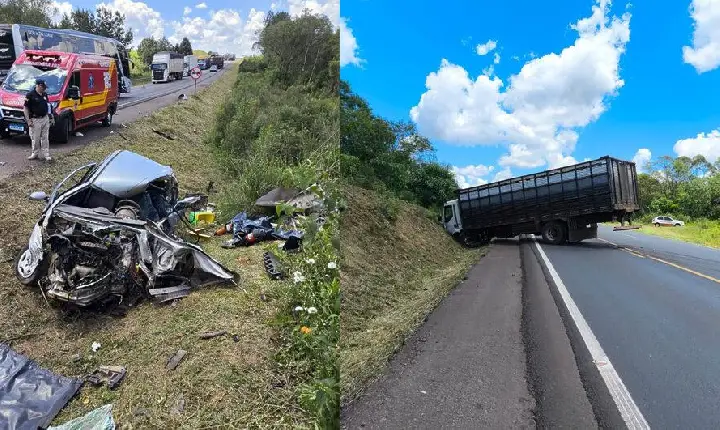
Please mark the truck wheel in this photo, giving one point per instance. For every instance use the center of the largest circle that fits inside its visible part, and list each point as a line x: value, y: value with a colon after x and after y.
x: 63, y: 129
x: 554, y: 233
x: 107, y: 121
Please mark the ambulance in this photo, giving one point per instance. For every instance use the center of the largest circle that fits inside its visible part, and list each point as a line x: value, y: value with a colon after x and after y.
x: 82, y: 89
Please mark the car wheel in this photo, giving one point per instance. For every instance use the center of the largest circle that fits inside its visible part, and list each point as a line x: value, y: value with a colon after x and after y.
x: 657, y: 224
x: 107, y: 121
x: 63, y: 129
x: 554, y: 233
x: 27, y: 269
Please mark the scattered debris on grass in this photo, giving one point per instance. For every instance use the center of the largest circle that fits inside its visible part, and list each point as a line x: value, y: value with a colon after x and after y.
x: 111, y: 376
x: 163, y: 134
x: 175, y: 360
x: 97, y: 419
x: 212, y: 334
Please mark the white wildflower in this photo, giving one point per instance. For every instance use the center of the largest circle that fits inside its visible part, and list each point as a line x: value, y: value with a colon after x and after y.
x: 298, y: 308
x: 310, y: 261
x: 312, y: 310
x: 332, y: 265
x: 298, y: 277
x: 95, y: 346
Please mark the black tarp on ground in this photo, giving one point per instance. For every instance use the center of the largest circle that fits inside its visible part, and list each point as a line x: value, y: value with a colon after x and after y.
x: 30, y: 396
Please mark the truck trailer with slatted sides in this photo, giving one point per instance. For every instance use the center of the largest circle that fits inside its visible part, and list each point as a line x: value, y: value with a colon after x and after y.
x: 562, y: 205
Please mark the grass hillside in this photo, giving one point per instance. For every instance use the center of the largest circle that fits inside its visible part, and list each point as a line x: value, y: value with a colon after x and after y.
x: 265, y: 379
x: 398, y: 264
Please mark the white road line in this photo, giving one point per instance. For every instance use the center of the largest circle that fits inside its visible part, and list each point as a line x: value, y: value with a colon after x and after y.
x: 607, y: 241
x: 628, y: 409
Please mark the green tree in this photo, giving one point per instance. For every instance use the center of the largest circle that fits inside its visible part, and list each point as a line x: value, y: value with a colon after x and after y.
x: 388, y: 156
x: 112, y: 24
x: 102, y: 22
x: 83, y: 20
x: 30, y: 12
x: 303, y: 50
x: 147, y: 48
x: 185, y: 47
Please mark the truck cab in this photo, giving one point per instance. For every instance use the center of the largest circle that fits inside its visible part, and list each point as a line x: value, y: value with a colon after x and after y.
x: 451, y: 218
x: 166, y: 66
x: 82, y: 90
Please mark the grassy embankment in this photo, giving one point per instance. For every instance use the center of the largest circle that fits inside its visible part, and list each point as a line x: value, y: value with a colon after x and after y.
x: 701, y: 232
x: 398, y: 264
x: 224, y: 384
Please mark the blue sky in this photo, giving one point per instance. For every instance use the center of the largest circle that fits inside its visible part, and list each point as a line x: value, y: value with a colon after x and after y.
x: 579, y: 80
x: 217, y: 25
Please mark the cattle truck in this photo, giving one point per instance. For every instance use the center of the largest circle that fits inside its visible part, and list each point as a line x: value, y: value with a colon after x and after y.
x: 562, y: 205
x: 167, y: 66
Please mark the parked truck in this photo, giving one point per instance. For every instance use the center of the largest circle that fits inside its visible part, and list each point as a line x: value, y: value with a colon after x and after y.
x: 563, y: 205
x: 216, y: 60
x: 191, y: 61
x: 166, y: 66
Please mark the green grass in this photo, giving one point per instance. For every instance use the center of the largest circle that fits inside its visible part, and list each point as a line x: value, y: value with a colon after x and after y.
x: 397, y: 267
x: 225, y: 384
x: 141, y: 76
x: 702, y: 232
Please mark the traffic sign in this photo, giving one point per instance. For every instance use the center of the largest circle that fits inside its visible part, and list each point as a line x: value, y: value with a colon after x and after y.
x: 195, y: 73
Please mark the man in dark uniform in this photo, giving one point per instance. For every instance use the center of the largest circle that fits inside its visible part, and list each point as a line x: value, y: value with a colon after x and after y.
x: 39, y: 119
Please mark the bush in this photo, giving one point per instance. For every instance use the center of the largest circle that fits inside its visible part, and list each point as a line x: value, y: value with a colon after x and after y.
x: 386, y: 156
x: 310, y: 323
x: 280, y: 127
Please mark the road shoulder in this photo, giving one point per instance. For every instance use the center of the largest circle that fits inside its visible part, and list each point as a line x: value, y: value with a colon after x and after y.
x: 554, y: 377
x: 466, y: 366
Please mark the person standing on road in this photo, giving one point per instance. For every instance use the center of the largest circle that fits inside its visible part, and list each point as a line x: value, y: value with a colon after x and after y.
x: 39, y: 118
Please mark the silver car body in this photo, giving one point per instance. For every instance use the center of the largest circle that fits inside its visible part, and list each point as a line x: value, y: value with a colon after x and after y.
x: 122, y: 174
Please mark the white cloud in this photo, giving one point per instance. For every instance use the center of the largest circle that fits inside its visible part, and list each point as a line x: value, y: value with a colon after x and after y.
x: 60, y: 8
x: 705, y: 144
x: 187, y: 10
x: 704, y: 55
x: 470, y: 176
x: 641, y: 158
x: 202, y: 5
x: 485, y: 48
x: 224, y: 31
x: 348, y: 46
x: 503, y: 174
x: 144, y: 20
x: 538, y: 114
x: 496, y: 59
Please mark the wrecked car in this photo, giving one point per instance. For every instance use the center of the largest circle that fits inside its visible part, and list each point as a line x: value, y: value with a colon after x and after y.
x: 110, y: 233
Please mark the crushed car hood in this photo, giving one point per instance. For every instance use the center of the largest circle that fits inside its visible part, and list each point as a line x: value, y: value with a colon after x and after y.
x: 125, y: 173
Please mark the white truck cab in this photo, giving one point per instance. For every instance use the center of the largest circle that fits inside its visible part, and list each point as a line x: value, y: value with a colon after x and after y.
x: 451, y: 218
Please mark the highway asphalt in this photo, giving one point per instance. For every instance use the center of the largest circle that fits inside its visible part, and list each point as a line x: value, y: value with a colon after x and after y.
x: 654, y: 306
x: 141, y: 101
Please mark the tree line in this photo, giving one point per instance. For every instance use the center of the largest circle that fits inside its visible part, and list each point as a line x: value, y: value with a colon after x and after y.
x: 389, y: 156
x: 101, y: 21
x: 680, y: 186
x: 39, y: 13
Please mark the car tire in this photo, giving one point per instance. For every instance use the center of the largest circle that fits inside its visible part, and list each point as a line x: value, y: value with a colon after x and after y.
x: 554, y: 233
x: 29, y: 278
x: 107, y: 121
x: 657, y: 224
x: 63, y: 129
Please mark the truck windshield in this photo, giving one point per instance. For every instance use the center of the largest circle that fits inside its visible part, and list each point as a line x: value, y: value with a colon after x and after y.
x: 159, y: 66
x: 22, y: 78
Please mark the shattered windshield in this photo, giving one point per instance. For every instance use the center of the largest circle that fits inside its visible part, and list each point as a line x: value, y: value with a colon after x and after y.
x: 22, y: 78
